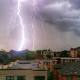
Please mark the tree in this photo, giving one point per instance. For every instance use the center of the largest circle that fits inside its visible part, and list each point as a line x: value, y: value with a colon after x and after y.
x: 48, y: 56
x: 30, y: 55
x: 64, y: 54
x: 4, y: 58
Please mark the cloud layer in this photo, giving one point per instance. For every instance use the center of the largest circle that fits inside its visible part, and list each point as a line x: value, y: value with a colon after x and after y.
x: 56, y: 24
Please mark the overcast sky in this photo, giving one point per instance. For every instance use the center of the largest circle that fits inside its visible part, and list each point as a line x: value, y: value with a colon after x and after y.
x: 56, y: 24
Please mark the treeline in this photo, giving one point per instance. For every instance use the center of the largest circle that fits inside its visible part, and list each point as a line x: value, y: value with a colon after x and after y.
x: 4, y: 57
x: 7, y: 57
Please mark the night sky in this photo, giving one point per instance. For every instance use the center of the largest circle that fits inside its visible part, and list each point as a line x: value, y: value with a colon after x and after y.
x: 56, y: 24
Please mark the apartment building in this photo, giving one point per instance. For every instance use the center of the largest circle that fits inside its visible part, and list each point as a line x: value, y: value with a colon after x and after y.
x: 67, y: 72
x: 23, y: 70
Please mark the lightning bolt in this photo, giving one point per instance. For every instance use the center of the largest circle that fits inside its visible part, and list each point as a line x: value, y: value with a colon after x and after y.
x: 22, y: 26
x: 33, y: 23
x: 34, y: 2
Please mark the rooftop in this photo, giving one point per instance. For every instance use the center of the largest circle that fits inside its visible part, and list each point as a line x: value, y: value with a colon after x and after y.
x: 28, y: 65
x: 68, y: 68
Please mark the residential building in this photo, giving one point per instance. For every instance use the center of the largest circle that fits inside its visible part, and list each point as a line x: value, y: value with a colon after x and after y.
x: 68, y: 60
x: 73, y: 52
x: 67, y: 72
x: 23, y: 70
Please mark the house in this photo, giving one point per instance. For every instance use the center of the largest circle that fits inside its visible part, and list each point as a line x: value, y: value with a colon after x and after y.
x: 73, y: 52
x: 68, y: 71
x: 68, y: 60
x: 23, y: 70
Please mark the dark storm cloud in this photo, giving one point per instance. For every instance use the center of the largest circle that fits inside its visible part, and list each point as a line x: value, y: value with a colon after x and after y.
x: 65, y: 18
x: 75, y: 3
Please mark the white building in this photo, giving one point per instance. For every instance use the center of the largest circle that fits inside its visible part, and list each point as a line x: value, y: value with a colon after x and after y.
x: 23, y: 70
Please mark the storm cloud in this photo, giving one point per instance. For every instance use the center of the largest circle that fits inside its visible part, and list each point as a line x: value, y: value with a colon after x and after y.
x: 56, y: 24
x: 65, y: 14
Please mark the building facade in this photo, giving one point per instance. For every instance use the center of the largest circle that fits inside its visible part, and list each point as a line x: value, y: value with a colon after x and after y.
x: 73, y: 52
x: 67, y: 72
x: 23, y: 70
x: 23, y: 74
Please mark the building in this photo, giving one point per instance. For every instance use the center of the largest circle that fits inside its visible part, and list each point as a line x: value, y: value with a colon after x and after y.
x: 23, y: 70
x: 73, y: 52
x: 45, y: 54
x: 68, y: 60
x: 67, y: 72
